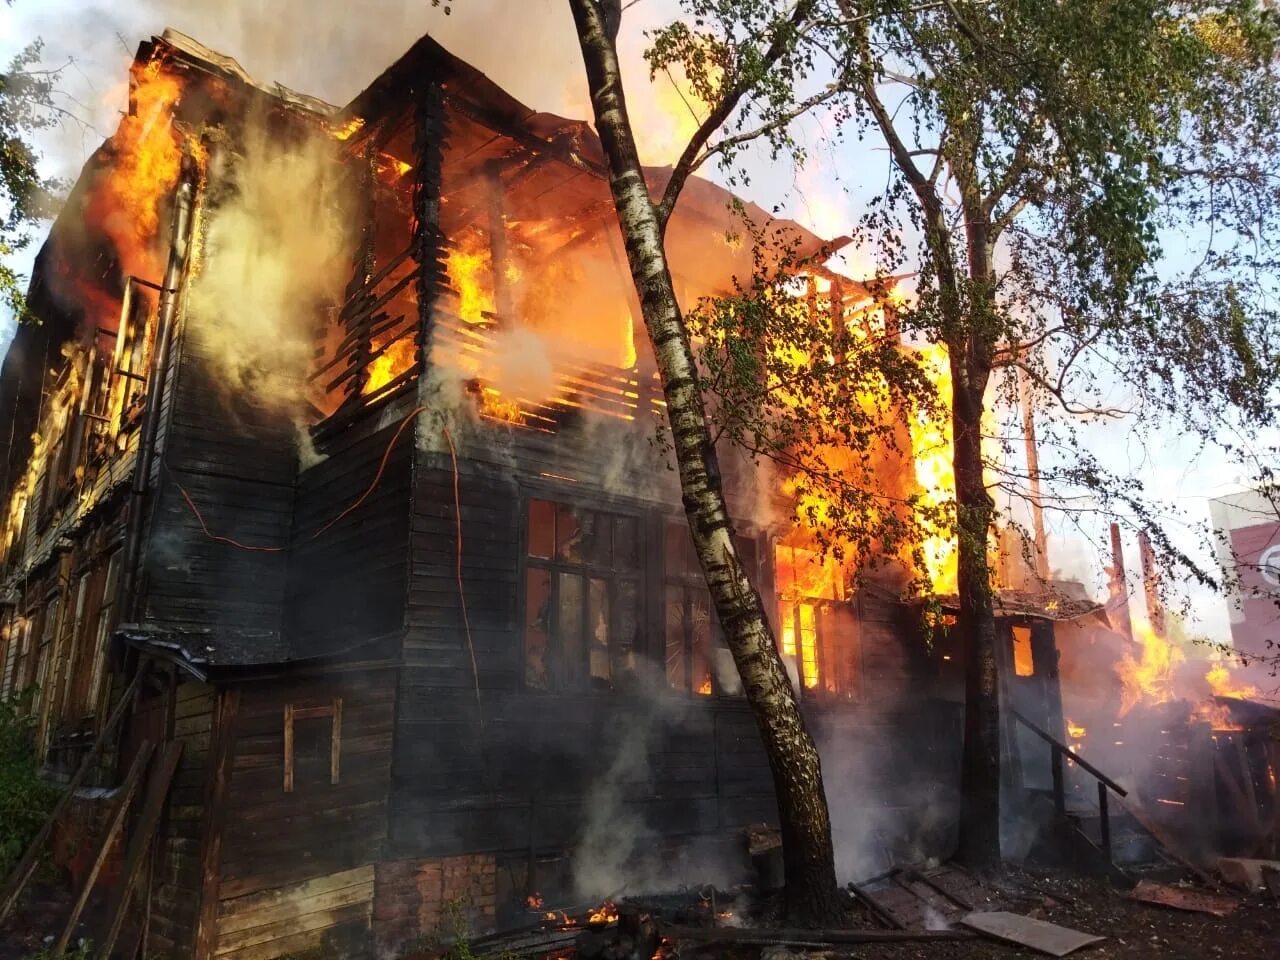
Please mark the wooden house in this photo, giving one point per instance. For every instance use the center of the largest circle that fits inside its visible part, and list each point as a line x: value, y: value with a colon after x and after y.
x: 438, y: 659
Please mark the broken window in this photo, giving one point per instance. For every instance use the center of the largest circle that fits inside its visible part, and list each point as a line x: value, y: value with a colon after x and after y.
x: 817, y: 631
x: 582, y: 598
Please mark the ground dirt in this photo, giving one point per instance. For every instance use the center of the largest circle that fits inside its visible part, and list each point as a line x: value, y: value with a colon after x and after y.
x: 1132, y: 929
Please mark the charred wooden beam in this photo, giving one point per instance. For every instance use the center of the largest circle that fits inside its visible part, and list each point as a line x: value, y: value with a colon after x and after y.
x: 430, y: 131
x: 499, y: 254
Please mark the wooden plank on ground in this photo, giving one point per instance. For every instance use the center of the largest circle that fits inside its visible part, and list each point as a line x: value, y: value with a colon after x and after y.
x: 1037, y: 934
x: 1181, y: 898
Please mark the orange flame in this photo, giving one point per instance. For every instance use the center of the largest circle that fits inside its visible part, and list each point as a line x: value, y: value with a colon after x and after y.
x: 1148, y: 677
x: 1223, y: 685
x: 146, y: 161
x: 935, y: 472
x: 607, y: 912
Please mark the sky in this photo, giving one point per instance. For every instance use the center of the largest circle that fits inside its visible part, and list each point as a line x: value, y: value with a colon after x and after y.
x: 333, y: 50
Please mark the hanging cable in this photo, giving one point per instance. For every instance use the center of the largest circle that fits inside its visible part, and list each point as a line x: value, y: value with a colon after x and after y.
x: 462, y: 596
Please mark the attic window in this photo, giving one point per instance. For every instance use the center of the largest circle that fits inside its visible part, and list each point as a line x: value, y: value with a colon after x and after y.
x: 312, y: 742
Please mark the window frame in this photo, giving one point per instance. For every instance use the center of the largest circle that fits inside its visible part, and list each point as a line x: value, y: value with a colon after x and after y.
x: 103, y: 624
x: 561, y: 681
x: 827, y: 638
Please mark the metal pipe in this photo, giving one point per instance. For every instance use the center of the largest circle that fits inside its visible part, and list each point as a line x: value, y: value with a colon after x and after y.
x: 149, y: 429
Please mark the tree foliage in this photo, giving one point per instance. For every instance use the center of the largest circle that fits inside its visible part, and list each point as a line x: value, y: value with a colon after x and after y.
x: 26, y: 195
x: 25, y: 799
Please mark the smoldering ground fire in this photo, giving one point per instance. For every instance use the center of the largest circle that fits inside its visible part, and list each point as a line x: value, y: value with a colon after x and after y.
x: 333, y: 450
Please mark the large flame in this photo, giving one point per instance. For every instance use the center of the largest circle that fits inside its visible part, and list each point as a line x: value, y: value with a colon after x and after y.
x: 1148, y: 676
x: 146, y: 152
x: 934, y: 457
x: 1151, y: 676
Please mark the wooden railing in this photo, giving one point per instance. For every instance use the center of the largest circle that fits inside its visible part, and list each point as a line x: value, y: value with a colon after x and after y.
x: 1105, y: 783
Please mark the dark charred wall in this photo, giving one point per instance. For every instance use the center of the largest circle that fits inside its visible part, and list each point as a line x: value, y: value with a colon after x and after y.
x: 297, y: 852
x: 483, y: 764
x: 236, y: 462
x: 348, y: 564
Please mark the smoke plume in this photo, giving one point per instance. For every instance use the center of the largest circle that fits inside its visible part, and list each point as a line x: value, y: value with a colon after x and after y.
x: 274, y: 253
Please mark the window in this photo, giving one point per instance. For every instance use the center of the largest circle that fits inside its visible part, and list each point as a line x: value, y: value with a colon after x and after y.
x: 8, y: 651
x: 582, y: 598
x: 312, y: 744
x: 44, y: 654
x: 1023, y: 661
x: 132, y: 353
x: 16, y: 681
x: 696, y: 656
x: 817, y: 630
x: 102, y: 632
x: 76, y: 642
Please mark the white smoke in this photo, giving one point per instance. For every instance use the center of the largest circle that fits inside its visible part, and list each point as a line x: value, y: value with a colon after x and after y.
x: 274, y: 253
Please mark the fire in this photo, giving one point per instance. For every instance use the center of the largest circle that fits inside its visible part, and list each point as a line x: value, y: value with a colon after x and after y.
x: 533, y: 901
x: 394, y: 361
x: 349, y: 129
x: 1217, y: 715
x: 469, y: 264
x: 1148, y: 678
x: 607, y: 912
x: 704, y: 688
x: 1075, y: 734
x: 1222, y: 684
x: 146, y: 161
x: 935, y: 471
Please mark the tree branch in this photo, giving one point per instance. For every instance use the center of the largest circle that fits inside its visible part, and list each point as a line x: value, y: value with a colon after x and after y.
x: 689, y: 161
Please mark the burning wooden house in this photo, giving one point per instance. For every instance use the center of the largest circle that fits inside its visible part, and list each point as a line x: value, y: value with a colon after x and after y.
x: 360, y: 531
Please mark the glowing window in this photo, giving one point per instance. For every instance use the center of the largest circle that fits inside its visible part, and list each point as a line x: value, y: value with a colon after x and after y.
x: 1023, y: 662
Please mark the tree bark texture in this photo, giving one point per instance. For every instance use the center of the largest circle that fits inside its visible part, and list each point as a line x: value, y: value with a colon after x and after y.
x: 811, y: 892
x: 971, y: 360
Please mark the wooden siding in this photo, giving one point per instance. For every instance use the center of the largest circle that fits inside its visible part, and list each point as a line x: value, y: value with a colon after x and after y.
x: 295, y: 868
x: 505, y: 770
x: 347, y: 584
x: 237, y: 462
x: 176, y: 881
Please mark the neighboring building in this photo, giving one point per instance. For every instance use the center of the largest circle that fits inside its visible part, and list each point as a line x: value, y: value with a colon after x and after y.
x: 432, y: 658
x: 1247, y: 525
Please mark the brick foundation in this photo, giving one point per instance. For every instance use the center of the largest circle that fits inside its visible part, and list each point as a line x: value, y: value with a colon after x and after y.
x: 415, y: 898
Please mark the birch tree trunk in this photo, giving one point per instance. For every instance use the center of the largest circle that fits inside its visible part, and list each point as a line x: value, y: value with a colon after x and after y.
x: 811, y: 894
x: 980, y: 763
x: 971, y: 359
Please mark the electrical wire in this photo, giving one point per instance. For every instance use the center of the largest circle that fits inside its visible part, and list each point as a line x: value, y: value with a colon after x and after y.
x: 462, y: 595
x: 359, y: 500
